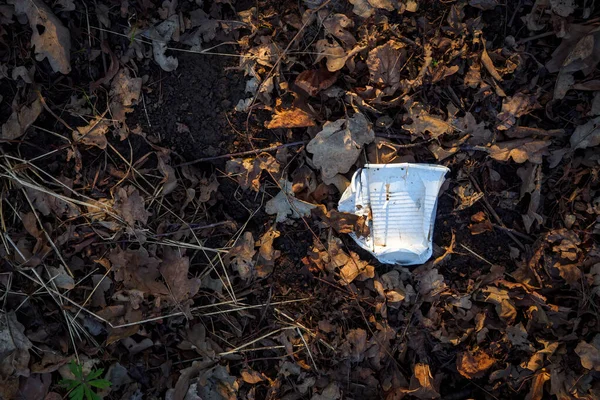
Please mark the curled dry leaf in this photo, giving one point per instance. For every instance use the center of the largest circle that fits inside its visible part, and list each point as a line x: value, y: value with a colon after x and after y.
x: 422, y: 384
x: 52, y: 40
x: 520, y: 150
x: 344, y: 222
x: 385, y: 63
x: 355, y: 345
x: 473, y: 364
x: 248, y: 171
x: 334, y: 53
x: 531, y: 175
x: 515, y: 107
x: 504, y: 305
x: 251, y: 376
x: 336, y: 25
x: 21, y: 118
x: 292, y: 118
x: 266, y: 253
x: 161, y: 35
x: 337, y: 147
x: 312, y: 81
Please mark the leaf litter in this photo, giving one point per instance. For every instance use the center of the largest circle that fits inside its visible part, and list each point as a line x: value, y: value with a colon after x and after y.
x: 231, y: 275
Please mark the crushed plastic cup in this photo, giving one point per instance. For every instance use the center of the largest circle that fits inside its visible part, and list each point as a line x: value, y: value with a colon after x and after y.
x: 400, y: 203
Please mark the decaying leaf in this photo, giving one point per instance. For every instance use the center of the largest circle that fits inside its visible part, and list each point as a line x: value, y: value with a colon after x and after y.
x: 537, y: 386
x: 49, y: 36
x: 292, y: 118
x: 385, y: 63
x: 515, y: 107
x: 241, y: 255
x: 174, y: 269
x: 14, y: 347
x: 334, y: 53
x: 344, y: 222
x: 124, y: 93
x: 337, y: 147
x: 422, y: 384
x: 248, y: 171
x: 473, y: 364
x: 312, y: 81
x: 251, y: 376
x: 266, y: 253
x: 137, y: 270
x: 501, y: 299
x: 531, y: 175
x: 130, y: 205
x: 423, y: 122
x: 161, y: 34
x: 93, y: 134
x: 520, y: 150
x: 355, y: 345
x: 586, y: 135
x: 337, y: 24
x: 21, y: 118
x: 286, y: 205
x: 589, y: 353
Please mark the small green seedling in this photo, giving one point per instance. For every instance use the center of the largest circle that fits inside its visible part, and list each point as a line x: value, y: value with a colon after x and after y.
x: 80, y: 388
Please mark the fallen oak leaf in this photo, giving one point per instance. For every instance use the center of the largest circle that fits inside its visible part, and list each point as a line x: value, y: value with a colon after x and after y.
x: 130, y: 205
x: 337, y: 147
x: 385, y: 62
x: 249, y: 170
x: 285, y: 205
x: 520, y: 150
x: 240, y: 257
x: 336, y: 25
x: 266, y: 253
x: 589, y: 353
x: 422, y: 384
x: 93, y: 134
x: 334, y: 53
x: 174, y: 269
x: 515, y: 107
x: 53, y: 41
x: 251, y: 376
x: 423, y: 122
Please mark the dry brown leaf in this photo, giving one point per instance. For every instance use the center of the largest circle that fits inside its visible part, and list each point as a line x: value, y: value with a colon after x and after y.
x: 93, y: 134
x: 586, y: 135
x: 14, y: 347
x: 312, y: 81
x: 385, y: 62
x: 336, y: 25
x: 137, y: 270
x: 174, y: 269
x: 489, y: 65
x: 21, y: 118
x: 423, y: 122
x: 52, y: 40
x: 250, y: 376
x: 285, y: 205
x: 531, y: 175
x: 478, y: 133
x: 355, y: 345
x: 355, y: 269
x: 337, y: 147
x: 124, y: 93
x: 537, y: 386
x: 422, y: 384
x: 266, y: 253
x: 292, y: 118
x: 589, y: 353
x: 344, y: 222
x: 362, y: 8
x: 481, y: 224
x: 520, y: 150
x: 504, y: 305
x: 248, y: 171
x: 240, y: 257
x: 564, y: 8
x: 130, y: 206
x: 515, y: 107
x: 473, y: 364
x: 334, y: 53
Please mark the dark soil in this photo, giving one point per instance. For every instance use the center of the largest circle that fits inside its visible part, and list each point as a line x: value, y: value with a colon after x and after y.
x: 189, y: 109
